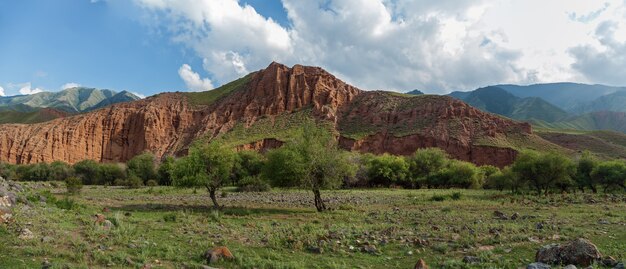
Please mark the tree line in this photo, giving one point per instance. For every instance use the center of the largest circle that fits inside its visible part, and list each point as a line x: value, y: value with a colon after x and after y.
x: 312, y: 160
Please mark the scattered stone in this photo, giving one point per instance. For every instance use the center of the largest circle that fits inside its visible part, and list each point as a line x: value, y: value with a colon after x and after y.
x: 26, y: 234
x: 99, y: 219
x: 538, y: 265
x: 578, y: 252
x: 486, y: 248
x: 371, y: 249
x: 604, y: 222
x: 471, y: 259
x: 515, y: 216
x: 609, y: 261
x: 47, y: 239
x: 500, y: 215
x: 619, y: 266
x: 539, y: 225
x: 129, y: 261
x: 316, y: 250
x: 421, y: 264
x: 213, y: 255
x: 107, y: 225
x: 46, y: 264
x: 571, y: 266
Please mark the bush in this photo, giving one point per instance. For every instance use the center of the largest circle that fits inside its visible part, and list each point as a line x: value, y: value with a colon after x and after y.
x: 424, y: 164
x: 107, y: 173
x: 152, y: 183
x: 247, y: 163
x: 87, y: 170
x: 74, y: 185
x: 456, y: 196
x: 544, y: 171
x: 504, y: 179
x: 142, y: 166
x: 133, y: 182
x: 253, y: 184
x: 164, y: 173
x: 438, y: 198
x: 610, y: 174
x: 387, y: 170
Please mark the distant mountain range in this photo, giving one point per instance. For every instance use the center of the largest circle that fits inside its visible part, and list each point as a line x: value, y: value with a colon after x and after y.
x: 45, y: 106
x: 555, y: 105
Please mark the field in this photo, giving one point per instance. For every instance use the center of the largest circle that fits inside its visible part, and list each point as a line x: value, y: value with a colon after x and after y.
x: 168, y: 227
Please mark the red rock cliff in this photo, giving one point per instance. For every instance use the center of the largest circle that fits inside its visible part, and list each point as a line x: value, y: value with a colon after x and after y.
x: 167, y: 123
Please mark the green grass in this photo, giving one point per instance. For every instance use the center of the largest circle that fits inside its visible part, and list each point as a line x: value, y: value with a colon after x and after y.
x: 24, y: 117
x: 605, y: 144
x: 279, y: 229
x: 209, y: 97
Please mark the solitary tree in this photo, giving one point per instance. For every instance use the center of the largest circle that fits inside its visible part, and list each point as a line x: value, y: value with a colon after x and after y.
x: 207, y: 165
x: 312, y: 160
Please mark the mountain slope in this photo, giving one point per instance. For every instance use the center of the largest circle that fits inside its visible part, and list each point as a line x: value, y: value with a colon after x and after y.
x: 606, y: 120
x: 71, y: 100
x: 260, y: 109
x: 34, y: 116
x: 567, y: 96
x: 496, y: 100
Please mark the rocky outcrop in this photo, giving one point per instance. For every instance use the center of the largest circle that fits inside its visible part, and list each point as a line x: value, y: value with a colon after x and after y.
x: 262, y: 145
x: 577, y: 252
x: 168, y: 123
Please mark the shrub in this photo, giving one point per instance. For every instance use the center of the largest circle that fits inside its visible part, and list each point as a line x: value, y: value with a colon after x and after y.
x: 584, y: 179
x: 60, y: 171
x: 610, y: 174
x: 74, y: 185
x: 247, y: 163
x: 424, y: 164
x: 142, y: 166
x: 107, y: 173
x: 544, y: 171
x: 438, y: 198
x: 152, y: 183
x: 87, y: 170
x: 387, y: 170
x: 253, y: 184
x: 164, y: 173
x: 133, y: 182
x: 456, y: 196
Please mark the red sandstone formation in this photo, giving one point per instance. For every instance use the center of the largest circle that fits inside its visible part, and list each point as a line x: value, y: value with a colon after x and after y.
x: 168, y: 123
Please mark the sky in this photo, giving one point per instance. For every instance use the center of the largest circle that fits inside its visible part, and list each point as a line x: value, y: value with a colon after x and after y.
x: 152, y: 46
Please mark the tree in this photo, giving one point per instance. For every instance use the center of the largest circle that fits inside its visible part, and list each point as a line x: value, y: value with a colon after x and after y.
x: 610, y: 173
x: 386, y: 169
x: 60, y: 171
x: 585, y: 166
x: 142, y: 166
x: 207, y: 165
x: 503, y: 179
x: 108, y: 173
x: 461, y: 174
x: 164, y: 173
x: 312, y: 160
x: 248, y: 163
x: 425, y: 163
x: 87, y: 171
x: 544, y: 171
x: 34, y: 172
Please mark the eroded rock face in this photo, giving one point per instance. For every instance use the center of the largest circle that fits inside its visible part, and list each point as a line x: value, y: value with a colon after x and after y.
x: 167, y: 123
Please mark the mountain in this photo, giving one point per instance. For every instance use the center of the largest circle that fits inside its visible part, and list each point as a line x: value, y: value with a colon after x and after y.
x: 261, y: 110
x: 415, y: 92
x: 611, y: 102
x: 567, y: 96
x: 604, y: 120
x: 496, y: 100
x: 73, y: 100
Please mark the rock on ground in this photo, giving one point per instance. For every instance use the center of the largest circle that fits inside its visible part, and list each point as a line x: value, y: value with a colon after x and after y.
x: 421, y: 264
x: 538, y: 265
x: 579, y: 252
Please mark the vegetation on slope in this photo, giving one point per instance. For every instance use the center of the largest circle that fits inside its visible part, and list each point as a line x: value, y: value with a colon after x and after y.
x: 39, y: 115
x: 209, y: 97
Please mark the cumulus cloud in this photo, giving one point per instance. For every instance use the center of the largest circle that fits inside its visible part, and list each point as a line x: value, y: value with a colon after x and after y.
x: 437, y: 46
x: 70, y: 85
x: 27, y: 89
x: 605, y: 62
x: 193, y: 80
x: 2, y: 91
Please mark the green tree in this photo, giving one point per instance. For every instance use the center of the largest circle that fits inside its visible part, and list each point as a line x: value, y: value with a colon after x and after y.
x: 386, y: 169
x: 544, y: 171
x: 142, y: 166
x: 610, y: 173
x: 425, y: 163
x: 248, y: 163
x: 109, y: 172
x: 461, y: 174
x: 503, y: 179
x: 87, y: 171
x: 59, y: 171
x: 164, y: 173
x: 207, y: 165
x: 312, y: 160
x: 585, y: 166
x: 34, y: 172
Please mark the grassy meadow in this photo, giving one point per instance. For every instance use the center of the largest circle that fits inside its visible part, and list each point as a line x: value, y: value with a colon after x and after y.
x: 169, y: 227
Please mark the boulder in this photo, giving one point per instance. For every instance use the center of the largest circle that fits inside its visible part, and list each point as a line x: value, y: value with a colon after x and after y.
x: 580, y: 252
x: 500, y: 215
x: 538, y: 265
x: 9, y: 195
x: 421, y: 264
x: 471, y: 259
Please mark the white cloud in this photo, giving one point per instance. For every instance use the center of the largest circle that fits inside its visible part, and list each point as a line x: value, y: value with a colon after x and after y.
x: 70, y: 85
x: 26, y: 89
x: 193, y: 80
x: 2, y: 93
x: 437, y: 46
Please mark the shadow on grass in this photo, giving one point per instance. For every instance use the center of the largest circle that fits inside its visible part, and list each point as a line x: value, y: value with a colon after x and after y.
x: 229, y: 211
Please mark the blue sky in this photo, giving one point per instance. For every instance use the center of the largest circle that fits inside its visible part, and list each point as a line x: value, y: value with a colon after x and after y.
x: 151, y: 46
